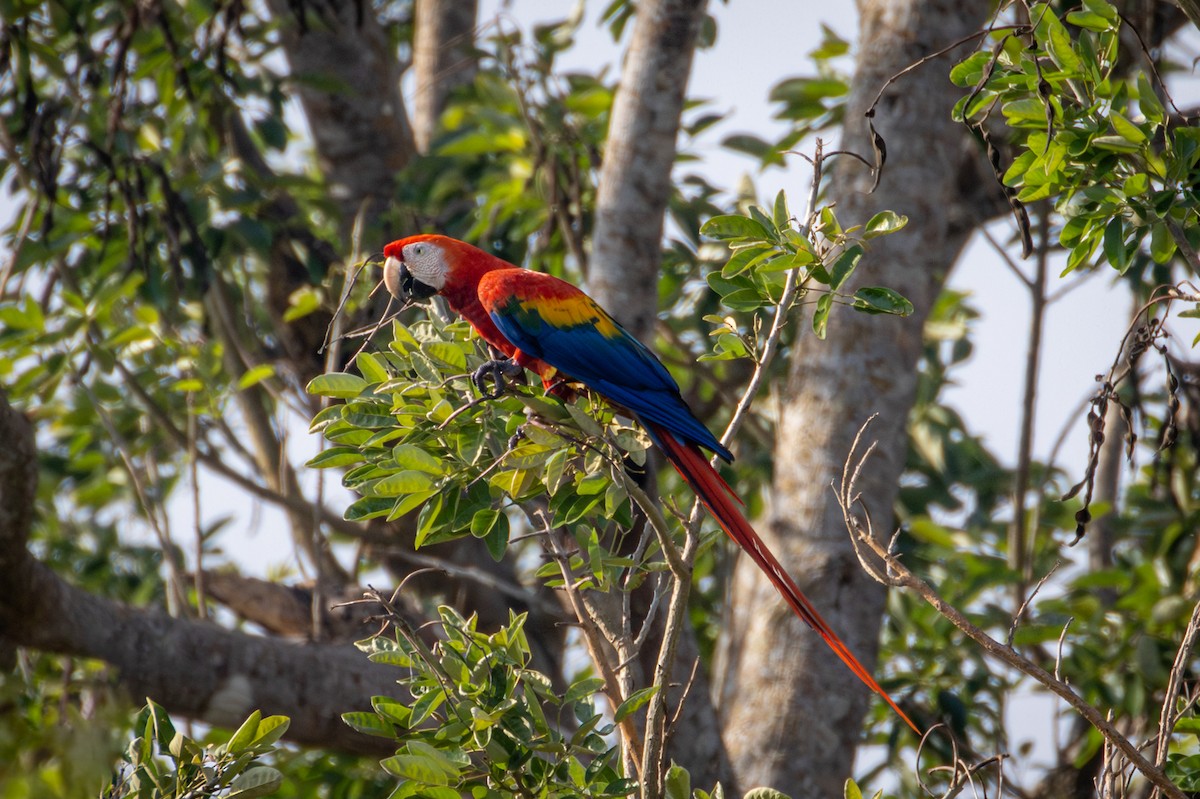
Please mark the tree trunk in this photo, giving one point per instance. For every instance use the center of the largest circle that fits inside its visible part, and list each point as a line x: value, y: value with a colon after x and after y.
x: 359, y: 123
x: 443, y: 58
x: 635, y: 178
x: 631, y: 203
x: 793, y: 712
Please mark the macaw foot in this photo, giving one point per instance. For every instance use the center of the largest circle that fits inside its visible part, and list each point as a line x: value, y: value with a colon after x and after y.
x: 498, y: 373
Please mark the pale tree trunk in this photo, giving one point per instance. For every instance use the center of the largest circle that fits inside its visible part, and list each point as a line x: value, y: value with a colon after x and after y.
x: 359, y: 123
x: 793, y: 713
x: 443, y: 58
x: 631, y: 203
x: 635, y: 178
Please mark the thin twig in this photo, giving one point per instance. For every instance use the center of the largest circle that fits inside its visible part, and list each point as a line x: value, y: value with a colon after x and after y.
x: 782, y: 310
x: 595, y: 645
x: 1168, y: 717
x: 1020, y: 539
x: 1016, y: 622
x: 900, y: 575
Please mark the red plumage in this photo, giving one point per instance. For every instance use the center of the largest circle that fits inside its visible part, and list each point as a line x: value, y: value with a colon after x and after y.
x: 554, y: 329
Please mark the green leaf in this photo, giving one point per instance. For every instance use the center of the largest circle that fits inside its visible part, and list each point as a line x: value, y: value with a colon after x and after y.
x: 369, y: 724
x: 410, y: 456
x: 744, y: 258
x: 585, y: 422
x: 1187, y: 726
x: 1060, y: 46
x: 270, y: 730
x: 409, y: 481
x: 879, y: 299
x: 255, y: 782
x: 256, y: 375
x: 450, y: 355
x: 371, y: 366
x: 1116, y: 144
x: 582, y: 689
x: 245, y: 735
x: 339, y: 385
x: 635, y: 701
x: 1114, y: 245
x: 1162, y: 244
x: 1148, y: 102
x: 734, y: 227
x: 754, y: 146
x: 391, y: 710
x: 820, y: 320
x: 1136, y: 184
x: 304, y: 301
x: 496, y: 539
x: 422, y: 770
x: 970, y: 71
x: 852, y: 790
x: 368, y: 508
x: 883, y: 223
x: 678, y: 783
x: 844, y: 266
x: 409, y: 503
x: 765, y: 793
x: 1089, y: 21
x: 483, y: 521
x: 780, y: 214
x: 334, y: 457
x: 1022, y: 112
x: 1126, y: 129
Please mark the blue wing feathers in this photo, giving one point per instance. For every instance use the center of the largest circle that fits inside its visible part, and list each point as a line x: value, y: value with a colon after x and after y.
x: 620, y: 368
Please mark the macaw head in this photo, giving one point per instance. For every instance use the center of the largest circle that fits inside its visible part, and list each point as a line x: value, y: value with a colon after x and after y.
x: 419, y: 267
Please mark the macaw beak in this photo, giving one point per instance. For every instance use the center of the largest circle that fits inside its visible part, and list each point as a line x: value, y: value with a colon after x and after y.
x: 401, y: 284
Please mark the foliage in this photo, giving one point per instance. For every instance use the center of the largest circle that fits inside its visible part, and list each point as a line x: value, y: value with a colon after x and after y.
x: 1103, y: 146
x: 482, y: 722
x: 61, y: 727
x: 1093, y: 137
x: 151, y: 153
x: 766, y: 247
x: 164, y: 762
x: 409, y: 440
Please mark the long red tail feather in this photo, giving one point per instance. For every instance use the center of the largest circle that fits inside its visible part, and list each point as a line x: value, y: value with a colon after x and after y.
x: 722, y: 503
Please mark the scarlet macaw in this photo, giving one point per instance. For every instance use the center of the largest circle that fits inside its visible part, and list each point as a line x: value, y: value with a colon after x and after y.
x: 549, y: 326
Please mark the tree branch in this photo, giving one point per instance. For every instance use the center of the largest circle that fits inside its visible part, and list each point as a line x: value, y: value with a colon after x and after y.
x: 898, y: 575
x: 191, y: 667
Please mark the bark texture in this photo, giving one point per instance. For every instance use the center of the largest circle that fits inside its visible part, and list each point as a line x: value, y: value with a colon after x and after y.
x: 631, y: 203
x: 193, y: 668
x: 349, y: 85
x: 443, y: 58
x: 635, y: 177
x: 793, y: 712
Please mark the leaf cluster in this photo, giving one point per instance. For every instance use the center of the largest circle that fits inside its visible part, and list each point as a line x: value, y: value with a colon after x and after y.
x: 1105, y: 148
x: 164, y: 763
x: 409, y: 439
x: 821, y: 256
x: 481, y: 722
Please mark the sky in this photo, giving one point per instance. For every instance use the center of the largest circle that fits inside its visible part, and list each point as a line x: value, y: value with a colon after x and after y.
x: 759, y: 42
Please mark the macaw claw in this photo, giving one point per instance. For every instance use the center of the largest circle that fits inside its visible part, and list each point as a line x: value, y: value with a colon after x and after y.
x: 498, y: 373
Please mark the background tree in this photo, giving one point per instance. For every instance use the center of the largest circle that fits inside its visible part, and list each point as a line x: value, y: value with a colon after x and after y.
x: 175, y: 267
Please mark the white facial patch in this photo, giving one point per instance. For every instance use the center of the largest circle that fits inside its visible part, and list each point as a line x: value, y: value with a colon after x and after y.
x: 426, y: 263
x: 391, y: 276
